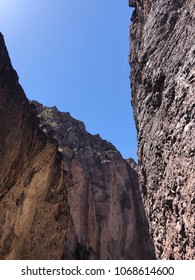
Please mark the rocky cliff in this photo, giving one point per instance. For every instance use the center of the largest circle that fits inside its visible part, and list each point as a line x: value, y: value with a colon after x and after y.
x: 162, y: 38
x: 64, y: 193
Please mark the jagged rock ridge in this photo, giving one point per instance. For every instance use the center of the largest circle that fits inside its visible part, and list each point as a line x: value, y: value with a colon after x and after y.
x: 64, y: 193
x: 163, y: 96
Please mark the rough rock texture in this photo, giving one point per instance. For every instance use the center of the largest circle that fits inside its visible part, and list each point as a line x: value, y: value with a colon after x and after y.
x: 32, y: 183
x: 103, y: 192
x: 162, y: 62
x: 64, y: 193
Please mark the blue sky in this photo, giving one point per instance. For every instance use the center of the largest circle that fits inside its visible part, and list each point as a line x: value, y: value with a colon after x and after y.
x: 74, y: 54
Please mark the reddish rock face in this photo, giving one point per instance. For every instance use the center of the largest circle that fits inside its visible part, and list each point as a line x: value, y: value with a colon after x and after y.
x: 32, y: 184
x: 64, y: 193
x: 163, y: 97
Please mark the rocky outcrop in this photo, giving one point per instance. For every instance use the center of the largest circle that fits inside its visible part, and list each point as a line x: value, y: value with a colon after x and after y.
x: 64, y: 193
x: 103, y: 192
x: 163, y: 96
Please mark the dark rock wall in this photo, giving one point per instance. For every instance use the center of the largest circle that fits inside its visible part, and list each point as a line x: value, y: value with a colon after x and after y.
x: 162, y: 59
x: 64, y: 193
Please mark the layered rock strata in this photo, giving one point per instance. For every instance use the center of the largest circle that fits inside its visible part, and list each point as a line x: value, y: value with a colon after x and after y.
x: 64, y: 193
x: 162, y: 37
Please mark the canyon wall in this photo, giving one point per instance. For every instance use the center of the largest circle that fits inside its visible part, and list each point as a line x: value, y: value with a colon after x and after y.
x: 162, y: 59
x: 32, y: 182
x: 64, y: 193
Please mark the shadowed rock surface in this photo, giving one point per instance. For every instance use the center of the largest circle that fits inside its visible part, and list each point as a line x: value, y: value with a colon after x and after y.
x: 64, y: 193
x: 162, y: 62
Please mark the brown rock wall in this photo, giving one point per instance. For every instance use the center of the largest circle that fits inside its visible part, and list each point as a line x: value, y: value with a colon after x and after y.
x: 163, y: 96
x: 107, y: 217
x: 32, y: 185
